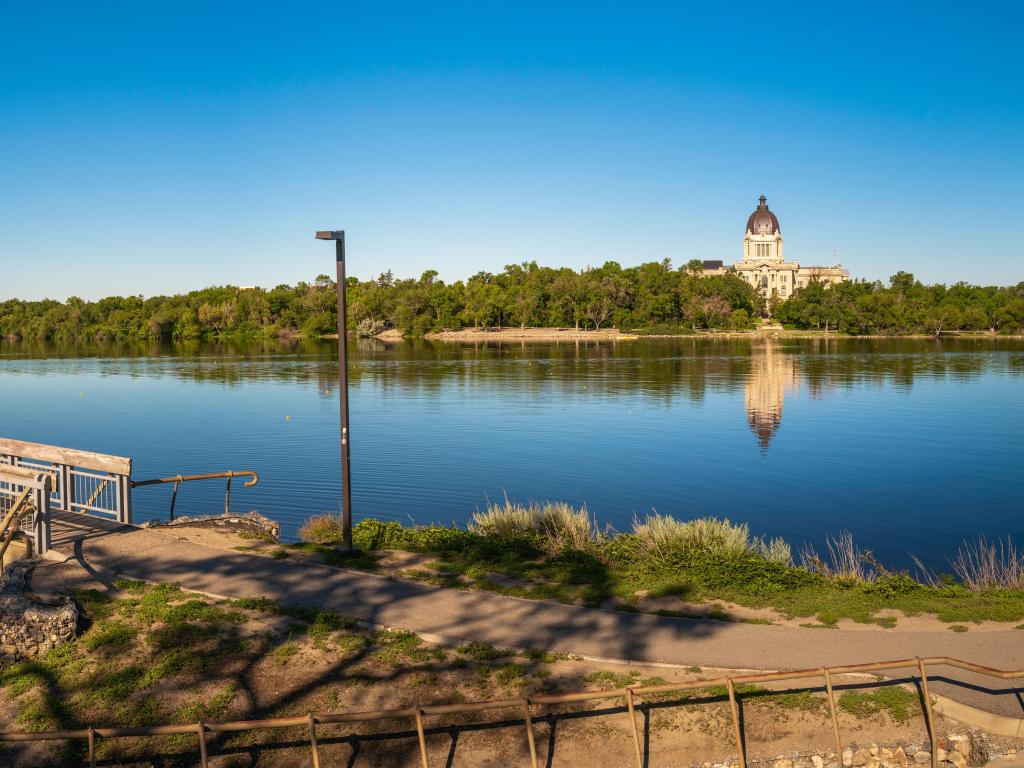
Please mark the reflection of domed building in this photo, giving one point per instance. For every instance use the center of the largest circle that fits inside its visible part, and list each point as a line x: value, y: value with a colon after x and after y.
x: 763, y: 265
x: 772, y: 372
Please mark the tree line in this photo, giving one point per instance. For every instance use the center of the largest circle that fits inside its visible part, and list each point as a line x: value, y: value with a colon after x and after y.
x: 904, y: 306
x: 654, y: 297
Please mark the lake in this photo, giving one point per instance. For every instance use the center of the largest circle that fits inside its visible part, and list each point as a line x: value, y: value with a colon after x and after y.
x: 913, y: 445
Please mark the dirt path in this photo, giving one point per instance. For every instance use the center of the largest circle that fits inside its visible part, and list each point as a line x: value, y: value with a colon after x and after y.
x: 452, y: 616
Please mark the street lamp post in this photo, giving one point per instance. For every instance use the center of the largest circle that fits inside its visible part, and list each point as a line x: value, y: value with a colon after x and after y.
x: 338, y: 236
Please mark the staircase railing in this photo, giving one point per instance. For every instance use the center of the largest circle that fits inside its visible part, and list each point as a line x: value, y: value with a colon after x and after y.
x: 179, y: 479
x: 25, y: 488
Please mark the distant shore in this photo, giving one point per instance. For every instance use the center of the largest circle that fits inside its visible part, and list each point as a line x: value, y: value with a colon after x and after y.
x: 475, y: 335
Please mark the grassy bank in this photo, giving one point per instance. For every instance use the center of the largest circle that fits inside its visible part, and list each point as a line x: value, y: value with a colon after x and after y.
x: 150, y: 655
x: 553, y: 551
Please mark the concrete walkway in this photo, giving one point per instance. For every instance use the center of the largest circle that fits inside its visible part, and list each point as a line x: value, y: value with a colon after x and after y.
x: 452, y: 615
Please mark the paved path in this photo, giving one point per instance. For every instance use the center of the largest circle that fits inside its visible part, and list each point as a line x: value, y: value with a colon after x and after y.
x: 454, y: 615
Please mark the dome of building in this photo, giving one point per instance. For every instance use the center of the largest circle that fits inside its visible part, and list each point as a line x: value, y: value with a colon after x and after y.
x: 762, y: 221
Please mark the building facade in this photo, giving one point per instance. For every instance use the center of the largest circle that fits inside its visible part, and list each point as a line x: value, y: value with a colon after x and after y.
x: 764, y: 264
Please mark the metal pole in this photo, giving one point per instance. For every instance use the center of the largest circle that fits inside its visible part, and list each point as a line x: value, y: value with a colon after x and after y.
x: 346, y: 486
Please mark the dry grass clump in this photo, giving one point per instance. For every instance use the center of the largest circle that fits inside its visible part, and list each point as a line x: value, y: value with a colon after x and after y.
x: 982, y: 565
x: 845, y: 560
x: 559, y: 525
x: 322, y: 529
x: 663, y: 536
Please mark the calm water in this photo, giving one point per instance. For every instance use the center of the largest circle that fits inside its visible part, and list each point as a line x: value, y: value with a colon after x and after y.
x: 912, y: 445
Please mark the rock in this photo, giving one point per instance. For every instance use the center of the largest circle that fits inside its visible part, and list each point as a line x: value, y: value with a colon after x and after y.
x: 782, y: 764
x: 941, y: 754
x: 921, y: 757
x: 847, y: 757
x: 861, y: 757
x: 29, y: 626
x: 957, y: 758
x: 899, y: 756
x: 833, y: 765
x: 817, y: 761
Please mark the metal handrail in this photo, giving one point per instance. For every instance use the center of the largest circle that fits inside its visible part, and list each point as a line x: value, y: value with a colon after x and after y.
x: 417, y: 713
x: 179, y: 479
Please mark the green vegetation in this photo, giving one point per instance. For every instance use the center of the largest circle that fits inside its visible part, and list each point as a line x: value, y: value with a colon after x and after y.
x: 549, y: 551
x: 904, y: 306
x: 649, y: 295
x: 188, y: 659
x: 898, y: 703
x: 652, y: 297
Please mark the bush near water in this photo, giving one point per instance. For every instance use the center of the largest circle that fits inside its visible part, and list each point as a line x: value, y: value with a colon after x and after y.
x: 556, y: 551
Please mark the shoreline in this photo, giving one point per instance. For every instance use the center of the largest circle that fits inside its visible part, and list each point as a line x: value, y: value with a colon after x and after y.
x: 539, y: 334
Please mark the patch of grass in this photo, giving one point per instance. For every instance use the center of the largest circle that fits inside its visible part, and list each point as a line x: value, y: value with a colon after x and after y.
x: 510, y: 675
x: 484, y: 651
x: 397, y: 647
x: 802, y: 700
x: 39, y: 714
x: 110, y: 635
x: 132, y: 585
x: 94, y: 603
x: 958, y: 627
x: 545, y: 657
x: 606, y: 679
x: 22, y: 677
x: 898, y: 703
x: 284, y: 653
x: 279, y: 554
x: 350, y: 645
x: 210, y: 709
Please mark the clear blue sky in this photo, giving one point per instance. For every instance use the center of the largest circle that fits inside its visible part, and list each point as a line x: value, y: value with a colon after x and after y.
x: 153, y: 148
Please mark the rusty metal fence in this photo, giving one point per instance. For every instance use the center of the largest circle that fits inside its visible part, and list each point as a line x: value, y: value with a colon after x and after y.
x: 525, y: 705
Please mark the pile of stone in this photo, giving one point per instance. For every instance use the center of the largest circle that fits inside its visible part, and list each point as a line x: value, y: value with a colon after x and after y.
x: 28, y: 626
x: 248, y: 522
x: 956, y: 750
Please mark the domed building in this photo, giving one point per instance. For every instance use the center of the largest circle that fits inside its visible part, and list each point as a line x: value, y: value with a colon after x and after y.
x: 763, y: 264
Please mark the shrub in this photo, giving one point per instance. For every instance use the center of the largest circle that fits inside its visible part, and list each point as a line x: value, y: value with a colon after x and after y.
x: 557, y: 526
x: 322, y: 529
x: 981, y: 565
x: 845, y: 560
x: 665, y: 538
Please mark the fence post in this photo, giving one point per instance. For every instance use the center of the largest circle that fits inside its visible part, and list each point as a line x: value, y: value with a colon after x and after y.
x: 312, y: 741
x: 832, y: 712
x: 66, y: 494
x: 928, y: 713
x: 124, y: 499
x: 529, y: 733
x: 41, y: 518
x: 422, y: 738
x: 632, y: 727
x: 734, y: 706
x: 201, y: 729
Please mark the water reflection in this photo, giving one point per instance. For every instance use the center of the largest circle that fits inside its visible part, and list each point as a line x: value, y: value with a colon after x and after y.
x: 772, y: 373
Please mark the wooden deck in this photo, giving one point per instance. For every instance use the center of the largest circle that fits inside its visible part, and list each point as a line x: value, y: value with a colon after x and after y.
x: 69, y: 529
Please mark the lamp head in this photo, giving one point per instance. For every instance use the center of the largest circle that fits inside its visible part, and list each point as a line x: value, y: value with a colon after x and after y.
x: 331, y: 234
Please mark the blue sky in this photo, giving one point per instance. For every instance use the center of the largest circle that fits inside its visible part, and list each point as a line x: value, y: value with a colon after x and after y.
x: 154, y: 148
